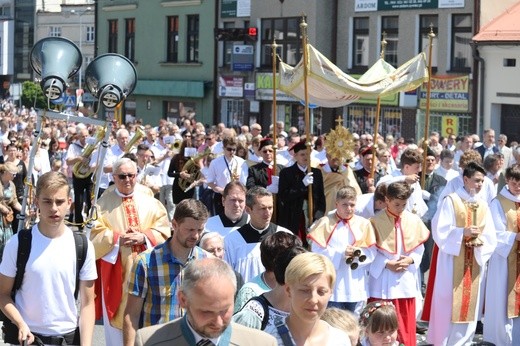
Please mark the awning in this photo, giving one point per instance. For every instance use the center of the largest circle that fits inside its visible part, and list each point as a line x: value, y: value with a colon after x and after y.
x: 170, y: 88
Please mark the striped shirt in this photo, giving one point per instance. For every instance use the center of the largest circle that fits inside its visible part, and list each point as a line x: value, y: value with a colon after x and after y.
x: 156, y: 276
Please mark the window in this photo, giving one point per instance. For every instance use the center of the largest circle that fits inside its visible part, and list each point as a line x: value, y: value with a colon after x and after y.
x: 112, y: 36
x: 360, y: 43
x: 390, y: 27
x: 509, y: 62
x: 130, y: 39
x: 286, y: 32
x: 460, y: 42
x: 228, y: 45
x: 91, y: 33
x: 55, y: 31
x: 193, y: 39
x: 429, y: 23
x: 172, y: 54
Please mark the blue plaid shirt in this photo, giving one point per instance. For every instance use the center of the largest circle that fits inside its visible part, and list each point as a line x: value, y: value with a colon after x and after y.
x: 156, y: 275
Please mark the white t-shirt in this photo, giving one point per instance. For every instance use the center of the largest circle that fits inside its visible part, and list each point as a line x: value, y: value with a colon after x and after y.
x: 46, y: 298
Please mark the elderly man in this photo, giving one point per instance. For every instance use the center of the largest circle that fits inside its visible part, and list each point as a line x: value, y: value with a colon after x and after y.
x: 488, y: 145
x: 129, y: 221
x: 207, y: 294
x: 113, y: 153
x: 149, y: 303
x: 233, y: 216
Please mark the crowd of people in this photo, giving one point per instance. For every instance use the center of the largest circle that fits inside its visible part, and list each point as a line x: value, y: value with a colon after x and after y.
x: 207, y: 235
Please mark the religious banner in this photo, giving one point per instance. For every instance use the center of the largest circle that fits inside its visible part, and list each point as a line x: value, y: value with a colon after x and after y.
x: 448, y: 93
x: 329, y: 86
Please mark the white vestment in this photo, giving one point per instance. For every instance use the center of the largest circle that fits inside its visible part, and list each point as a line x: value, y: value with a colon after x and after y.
x: 450, y: 239
x: 498, y: 328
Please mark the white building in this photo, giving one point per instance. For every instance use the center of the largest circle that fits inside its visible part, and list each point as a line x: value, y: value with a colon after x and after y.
x: 497, y: 47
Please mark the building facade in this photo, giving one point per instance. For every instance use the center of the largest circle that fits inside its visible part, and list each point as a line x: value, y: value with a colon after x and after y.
x: 172, y: 46
x: 16, y: 41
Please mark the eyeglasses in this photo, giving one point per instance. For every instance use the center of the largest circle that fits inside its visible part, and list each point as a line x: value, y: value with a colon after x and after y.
x: 124, y: 176
x: 231, y: 149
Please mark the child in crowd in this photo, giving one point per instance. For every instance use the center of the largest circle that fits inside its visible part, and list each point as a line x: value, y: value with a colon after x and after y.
x: 379, y: 324
x: 394, y: 276
x: 344, y: 320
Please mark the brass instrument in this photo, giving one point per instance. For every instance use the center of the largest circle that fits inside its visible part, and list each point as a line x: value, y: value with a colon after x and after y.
x: 235, y: 175
x: 82, y: 169
x: 139, y: 133
x: 175, y: 147
x: 193, y: 169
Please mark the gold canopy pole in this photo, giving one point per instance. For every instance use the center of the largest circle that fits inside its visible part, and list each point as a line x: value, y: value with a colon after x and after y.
x: 378, y: 112
x: 275, y: 140
x: 303, y: 28
x: 431, y: 35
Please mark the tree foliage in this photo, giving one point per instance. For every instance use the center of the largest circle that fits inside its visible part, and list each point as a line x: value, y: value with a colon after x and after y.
x: 32, y: 96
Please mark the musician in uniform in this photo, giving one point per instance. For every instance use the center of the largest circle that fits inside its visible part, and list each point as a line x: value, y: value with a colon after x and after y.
x: 224, y: 169
x: 82, y: 186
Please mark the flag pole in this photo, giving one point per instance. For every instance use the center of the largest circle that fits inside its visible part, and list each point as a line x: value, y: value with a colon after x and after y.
x: 275, y: 140
x: 431, y: 35
x: 303, y: 28
x: 378, y: 112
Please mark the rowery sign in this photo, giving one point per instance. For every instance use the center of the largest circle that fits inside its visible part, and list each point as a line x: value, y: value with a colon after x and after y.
x: 448, y: 93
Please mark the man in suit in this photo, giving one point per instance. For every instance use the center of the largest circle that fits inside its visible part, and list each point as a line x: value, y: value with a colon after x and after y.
x: 262, y: 174
x: 488, y: 145
x: 207, y: 293
x: 293, y: 194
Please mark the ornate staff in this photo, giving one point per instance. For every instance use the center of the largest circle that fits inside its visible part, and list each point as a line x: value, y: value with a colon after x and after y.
x: 275, y: 140
x: 378, y: 112
x: 303, y: 28
x: 431, y: 35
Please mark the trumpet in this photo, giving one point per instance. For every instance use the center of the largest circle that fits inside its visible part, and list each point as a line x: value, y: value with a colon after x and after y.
x: 139, y: 133
x: 351, y: 259
x: 175, y: 147
x: 82, y: 169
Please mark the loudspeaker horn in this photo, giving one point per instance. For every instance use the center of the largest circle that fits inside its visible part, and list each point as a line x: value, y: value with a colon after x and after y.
x: 111, y: 78
x: 55, y: 59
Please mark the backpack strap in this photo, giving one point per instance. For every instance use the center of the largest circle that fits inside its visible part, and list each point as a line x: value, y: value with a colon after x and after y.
x: 81, y: 254
x: 260, y: 306
x: 283, y: 331
x: 24, y: 250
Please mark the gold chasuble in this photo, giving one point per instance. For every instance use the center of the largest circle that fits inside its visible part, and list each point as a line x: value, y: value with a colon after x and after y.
x: 333, y: 181
x: 359, y: 228
x: 466, y: 271
x: 414, y: 232
x: 117, y: 216
x: 512, y: 212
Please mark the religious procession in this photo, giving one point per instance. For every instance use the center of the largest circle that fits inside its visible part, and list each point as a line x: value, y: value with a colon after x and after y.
x: 187, y: 234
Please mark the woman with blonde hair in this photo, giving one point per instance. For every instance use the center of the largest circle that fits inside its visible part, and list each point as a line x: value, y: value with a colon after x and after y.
x: 8, y: 202
x: 309, y: 280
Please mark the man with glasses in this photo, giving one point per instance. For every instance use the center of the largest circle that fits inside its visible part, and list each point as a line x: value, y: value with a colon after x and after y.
x: 263, y: 174
x: 225, y: 169
x: 129, y: 221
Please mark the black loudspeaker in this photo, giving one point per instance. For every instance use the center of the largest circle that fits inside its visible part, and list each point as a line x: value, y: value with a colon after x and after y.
x: 111, y: 78
x: 55, y: 60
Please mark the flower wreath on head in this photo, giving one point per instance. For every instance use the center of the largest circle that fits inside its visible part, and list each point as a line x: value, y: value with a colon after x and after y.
x: 369, y: 309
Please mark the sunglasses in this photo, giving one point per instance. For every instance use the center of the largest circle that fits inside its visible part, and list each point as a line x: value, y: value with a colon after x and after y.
x: 231, y: 149
x: 124, y: 176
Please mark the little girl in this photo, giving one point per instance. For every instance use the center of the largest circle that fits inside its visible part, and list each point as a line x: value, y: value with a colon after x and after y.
x: 379, y: 324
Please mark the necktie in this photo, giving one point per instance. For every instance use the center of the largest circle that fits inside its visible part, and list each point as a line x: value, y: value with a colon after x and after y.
x: 269, y: 174
x: 205, y: 342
